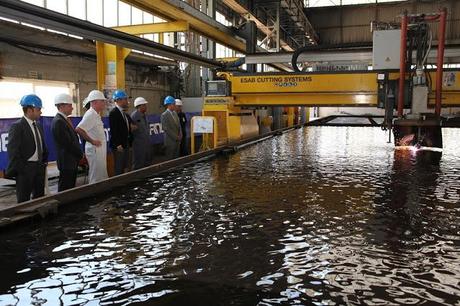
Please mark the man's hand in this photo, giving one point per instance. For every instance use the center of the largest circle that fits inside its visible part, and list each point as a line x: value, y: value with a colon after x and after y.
x: 96, y: 143
x: 120, y: 148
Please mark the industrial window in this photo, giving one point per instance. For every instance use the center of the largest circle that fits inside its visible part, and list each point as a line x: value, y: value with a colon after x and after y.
x: 110, y: 13
x: 149, y: 37
x: 57, y: 5
x: 221, y: 18
x: 124, y: 14
x: 77, y: 8
x: 222, y: 51
x: 35, y: 2
x: 317, y: 3
x: 11, y: 91
x: 94, y: 11
x: 136, y: 16
x: 147, y: 17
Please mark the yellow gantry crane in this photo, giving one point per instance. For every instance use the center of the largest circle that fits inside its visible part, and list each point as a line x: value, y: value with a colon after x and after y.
x: 232, y: 100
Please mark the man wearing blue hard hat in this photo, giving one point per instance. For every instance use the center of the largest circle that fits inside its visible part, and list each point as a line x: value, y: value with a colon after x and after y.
x: 27, y: 152
x: 170, y: 124
x: 120, y: 131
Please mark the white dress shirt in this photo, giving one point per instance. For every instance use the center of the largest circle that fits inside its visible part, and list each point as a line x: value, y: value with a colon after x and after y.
x: 123, y: 115
x: 93, y: 126
x: 34, y: 157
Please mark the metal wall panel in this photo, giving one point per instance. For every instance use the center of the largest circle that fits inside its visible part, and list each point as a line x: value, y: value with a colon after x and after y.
x: 351, y: 24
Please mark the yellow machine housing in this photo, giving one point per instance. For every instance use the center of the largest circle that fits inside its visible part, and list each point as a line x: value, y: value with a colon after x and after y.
x: 350, y: 88
x: 234, y: 123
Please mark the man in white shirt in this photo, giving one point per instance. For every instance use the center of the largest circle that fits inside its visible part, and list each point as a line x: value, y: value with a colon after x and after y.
x: 91, y: 128
x: 27, y: 152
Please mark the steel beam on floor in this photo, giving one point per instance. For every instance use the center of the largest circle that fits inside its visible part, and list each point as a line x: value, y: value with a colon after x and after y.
x: 25, y: 12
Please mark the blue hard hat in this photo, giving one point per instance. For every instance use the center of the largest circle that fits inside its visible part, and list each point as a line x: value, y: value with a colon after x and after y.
x: 31, y: 100
x: 119, y: 94
x: 169, y: 100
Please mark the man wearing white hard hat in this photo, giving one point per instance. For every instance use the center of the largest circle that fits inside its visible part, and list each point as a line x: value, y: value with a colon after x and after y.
x: 183, y: 125
x: 68, y: 151
x: 91, y: 129
x: 141, y: 135
x: 86, y: 103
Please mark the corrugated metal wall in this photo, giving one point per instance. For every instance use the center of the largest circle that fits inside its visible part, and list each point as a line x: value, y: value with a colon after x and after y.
x: 351, y: 24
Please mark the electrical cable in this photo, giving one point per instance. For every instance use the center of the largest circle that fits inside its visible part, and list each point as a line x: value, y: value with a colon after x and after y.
x: 33, y: 48
x: 429, y: 47
x: 37, y: 51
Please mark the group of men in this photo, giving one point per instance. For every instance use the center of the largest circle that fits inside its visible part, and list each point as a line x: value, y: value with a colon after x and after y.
x: 28, y: 154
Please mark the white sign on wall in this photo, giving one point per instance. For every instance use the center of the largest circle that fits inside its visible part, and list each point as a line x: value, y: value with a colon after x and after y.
x: 204, y: 125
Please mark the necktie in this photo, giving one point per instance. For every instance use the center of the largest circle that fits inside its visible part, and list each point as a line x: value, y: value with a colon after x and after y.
x: 175, y: 117
x: 126, y: 120
x: 38, y: 143
x: 69, y: 122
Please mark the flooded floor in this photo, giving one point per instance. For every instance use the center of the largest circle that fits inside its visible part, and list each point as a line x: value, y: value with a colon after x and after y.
x: 322, y: 215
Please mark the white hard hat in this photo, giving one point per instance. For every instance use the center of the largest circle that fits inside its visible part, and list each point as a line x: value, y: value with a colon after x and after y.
x: 139, y: 101
x: 179, y: 102
x: 63, y: 98
x: 85, y: 102
x: 95, y: 95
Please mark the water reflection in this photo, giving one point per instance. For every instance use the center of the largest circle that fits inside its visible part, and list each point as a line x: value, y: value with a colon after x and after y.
x: 320, y: 215
x: 403, y: 207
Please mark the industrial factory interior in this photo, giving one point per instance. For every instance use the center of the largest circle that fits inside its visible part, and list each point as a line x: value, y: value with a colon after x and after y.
x: 229, y: 152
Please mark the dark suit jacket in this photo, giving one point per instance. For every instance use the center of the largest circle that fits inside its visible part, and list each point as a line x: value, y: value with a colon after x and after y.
x: 21, y: 146
x: 120, y: 133
x: 68, y: 150
x: 183, y: 123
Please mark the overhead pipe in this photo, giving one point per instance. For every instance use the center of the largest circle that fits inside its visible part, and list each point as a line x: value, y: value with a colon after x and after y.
x: 440, y: 60
x: 402, y: 64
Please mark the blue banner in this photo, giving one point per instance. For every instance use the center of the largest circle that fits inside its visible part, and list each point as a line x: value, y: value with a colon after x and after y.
x: 156, y: 133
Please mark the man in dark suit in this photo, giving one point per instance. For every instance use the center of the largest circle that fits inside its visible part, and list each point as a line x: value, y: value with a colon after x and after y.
x: 120, y: 131
x: 27, y: 152
x: 68, y: 150
x: 183, y: 127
